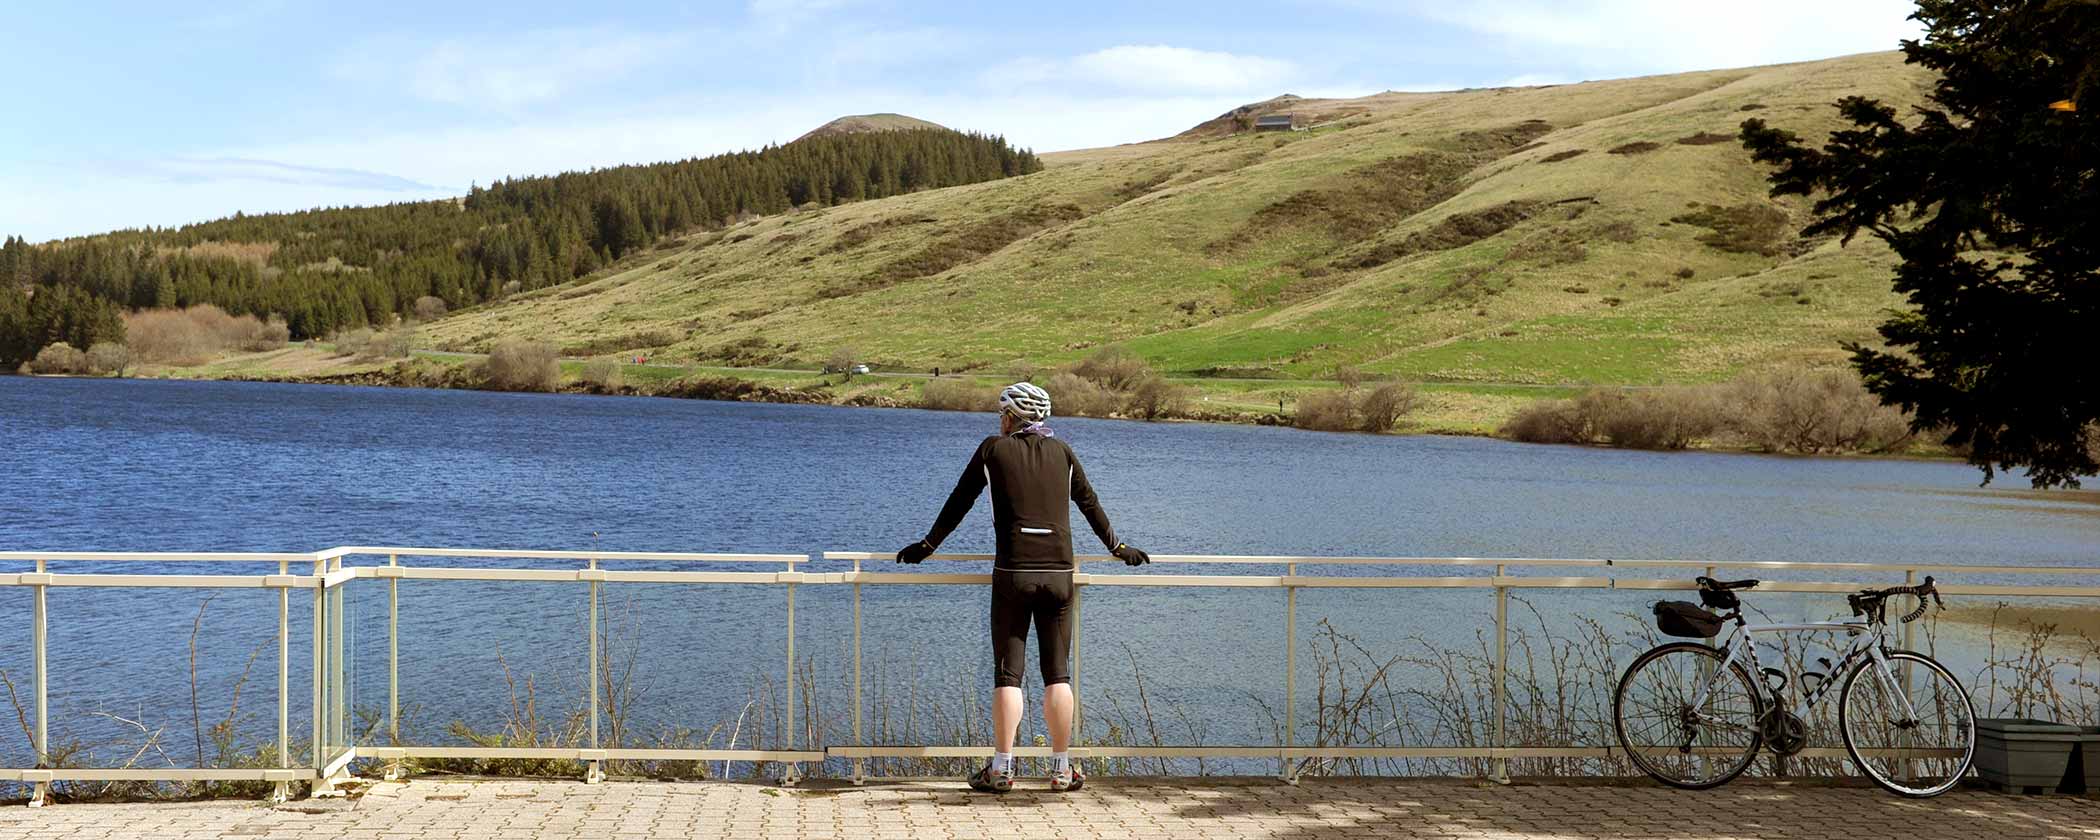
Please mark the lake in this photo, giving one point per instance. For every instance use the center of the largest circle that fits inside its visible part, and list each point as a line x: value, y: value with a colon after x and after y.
x: 137, y: 465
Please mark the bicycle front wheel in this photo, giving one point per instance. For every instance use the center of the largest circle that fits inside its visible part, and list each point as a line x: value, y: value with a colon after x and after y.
x: 1686, y: 721
x: 1909, y: 726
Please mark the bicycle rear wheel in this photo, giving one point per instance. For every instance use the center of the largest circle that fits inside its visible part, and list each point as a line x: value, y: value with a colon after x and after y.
x: 1920, y: 748
x: 1667, y: 737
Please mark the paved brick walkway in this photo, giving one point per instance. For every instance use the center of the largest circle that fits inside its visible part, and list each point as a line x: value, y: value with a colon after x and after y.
x: 1128, y: 809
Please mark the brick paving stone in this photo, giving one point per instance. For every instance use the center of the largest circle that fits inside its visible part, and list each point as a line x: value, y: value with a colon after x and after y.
x: 1197, y: 809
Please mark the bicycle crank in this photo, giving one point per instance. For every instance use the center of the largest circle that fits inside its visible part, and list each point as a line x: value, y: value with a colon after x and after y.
x: 1785, y: 732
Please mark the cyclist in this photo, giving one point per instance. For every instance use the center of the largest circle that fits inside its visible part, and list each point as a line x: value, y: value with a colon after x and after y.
x: 1034, y: 478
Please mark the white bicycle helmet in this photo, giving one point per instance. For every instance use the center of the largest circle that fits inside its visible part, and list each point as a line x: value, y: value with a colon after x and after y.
x: 1025, y: 401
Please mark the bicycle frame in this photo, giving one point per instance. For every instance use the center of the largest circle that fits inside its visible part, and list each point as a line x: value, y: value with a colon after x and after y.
x: 1867, y: 641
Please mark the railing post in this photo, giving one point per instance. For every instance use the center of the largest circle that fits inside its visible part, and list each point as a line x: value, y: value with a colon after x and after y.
x: 283, y: 790
x: 787, y: 776
x: 858, y: 699
x: 321, y: 787
x: 39, y: 641
x: 1501, y: 763
x: 1078, y: 709
x: 594, y: 771
x: 393, y: 665
x: 1290, y: 672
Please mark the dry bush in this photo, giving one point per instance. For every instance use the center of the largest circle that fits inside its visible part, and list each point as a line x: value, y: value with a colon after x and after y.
x: 1113, y: 367
x: 397, y: 343
x: 1749, y: 228
x: 958, y: 394
x: 1072, y: 395
x: 430, y: 308
x: 1637, y: 147
x: 1662, y: 418
x: 602, y: 375
x: 1557, y: 157
x: 357, y: 342
x: 1385, y: 405
x: 108, y: 358
x: 1154, y: 397
x: 1022, y: 370
x: 517, y: 364
x: 1549, y: 421
x: 193, y: 336
x: 1348, y: 375
x: 59, y: 358
x: 1326, y: 411
x: 841, y: 361
x: 1810, y: 412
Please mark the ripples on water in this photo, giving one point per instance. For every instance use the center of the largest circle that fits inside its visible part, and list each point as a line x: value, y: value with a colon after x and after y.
x: 115, y: 465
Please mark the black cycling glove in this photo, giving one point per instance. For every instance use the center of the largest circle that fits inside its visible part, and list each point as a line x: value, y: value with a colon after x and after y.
x: 1129, y: 555
x: 915, y: 552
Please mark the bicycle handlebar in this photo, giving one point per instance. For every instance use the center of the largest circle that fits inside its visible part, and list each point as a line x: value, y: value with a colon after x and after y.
x: 1869, y: 602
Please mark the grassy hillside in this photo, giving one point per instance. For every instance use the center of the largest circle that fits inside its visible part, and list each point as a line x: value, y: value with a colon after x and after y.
x: 1604, y: 232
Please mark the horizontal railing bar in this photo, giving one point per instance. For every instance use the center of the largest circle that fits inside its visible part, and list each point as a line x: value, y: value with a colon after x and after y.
x: 170, y: 774
x: 164, y: 581
x: 1276, y: 560
x: 575, y: 754
x: 538, y: 554
x: 154, y: 556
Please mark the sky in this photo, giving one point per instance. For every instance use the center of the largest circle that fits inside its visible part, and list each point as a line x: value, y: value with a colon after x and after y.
x: 124, y: 115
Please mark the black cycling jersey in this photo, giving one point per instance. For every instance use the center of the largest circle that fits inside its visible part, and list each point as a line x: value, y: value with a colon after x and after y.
x: 1035, y: 479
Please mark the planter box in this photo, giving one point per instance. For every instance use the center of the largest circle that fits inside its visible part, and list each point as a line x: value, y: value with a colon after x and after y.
x: 2020, y: 753
x: 2089, y: 756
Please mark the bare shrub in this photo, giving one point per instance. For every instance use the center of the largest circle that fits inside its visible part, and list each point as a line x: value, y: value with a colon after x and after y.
x: 59, y: 358
x: 430, y: 308
x: 602, y: 375
x: 1072, y: 395
x: 1022, y: 370
x: 357, y: 342
x: 1662, y: 418
x: 1810, y: 412
x: 958, y: 394
x: 1549, y: 421
x: 193, y: 336
x: 396, y: 343
x: 1326, y: 411
x: 1385, y: 405
x: 517, y: 364
x: 1113, y: 367
x: 1154, y: 396
x: 269, y: 335
x: 108, y: 358
x: 841, y: 361
x: 1348, y: 376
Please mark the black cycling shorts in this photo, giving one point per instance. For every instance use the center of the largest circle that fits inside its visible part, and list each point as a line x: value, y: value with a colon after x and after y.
x: 1018, y: 598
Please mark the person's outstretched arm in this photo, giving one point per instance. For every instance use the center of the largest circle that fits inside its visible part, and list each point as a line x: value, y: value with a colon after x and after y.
x: 1090, y: 504
x: 960, y: 500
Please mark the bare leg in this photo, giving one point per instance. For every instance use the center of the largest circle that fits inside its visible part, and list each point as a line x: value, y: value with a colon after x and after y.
x: 1007, y: 706
x: 1057, y: 713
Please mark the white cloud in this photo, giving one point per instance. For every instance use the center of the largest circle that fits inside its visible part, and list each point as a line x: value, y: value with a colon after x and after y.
x: 1678, y: 35
x: 512, y: 70
x: 212, y: 170
x: 1151, y: 67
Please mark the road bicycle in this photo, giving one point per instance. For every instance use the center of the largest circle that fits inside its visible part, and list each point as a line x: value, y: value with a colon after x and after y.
x: 1693, y: 715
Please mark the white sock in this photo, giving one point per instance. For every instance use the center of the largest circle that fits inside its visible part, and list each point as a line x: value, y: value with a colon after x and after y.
x: 1060, y: 762
x: 1002, y: 762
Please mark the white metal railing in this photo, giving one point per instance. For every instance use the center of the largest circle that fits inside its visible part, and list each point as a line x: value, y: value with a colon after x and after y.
x: 333, y: 750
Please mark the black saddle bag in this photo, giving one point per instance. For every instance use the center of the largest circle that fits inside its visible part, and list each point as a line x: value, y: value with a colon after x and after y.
x: 1686, y: 619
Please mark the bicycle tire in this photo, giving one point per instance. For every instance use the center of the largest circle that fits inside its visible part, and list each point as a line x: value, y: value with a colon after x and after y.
x: 1638, y: 756
x: 1874, y: 771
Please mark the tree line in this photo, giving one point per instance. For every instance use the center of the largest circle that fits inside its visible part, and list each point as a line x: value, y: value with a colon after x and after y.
x: 328, y: 269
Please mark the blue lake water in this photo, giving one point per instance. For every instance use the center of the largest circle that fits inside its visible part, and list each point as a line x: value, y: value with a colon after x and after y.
x: 127, y: 465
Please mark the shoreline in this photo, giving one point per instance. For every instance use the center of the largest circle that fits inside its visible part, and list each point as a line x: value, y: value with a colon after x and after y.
x: 728, y: 388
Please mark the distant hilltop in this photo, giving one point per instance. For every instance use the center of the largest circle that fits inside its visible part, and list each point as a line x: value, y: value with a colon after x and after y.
x: 864, y: 123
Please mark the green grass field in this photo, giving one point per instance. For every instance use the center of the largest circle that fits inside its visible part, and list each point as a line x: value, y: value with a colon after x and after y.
x: 1445, y: 238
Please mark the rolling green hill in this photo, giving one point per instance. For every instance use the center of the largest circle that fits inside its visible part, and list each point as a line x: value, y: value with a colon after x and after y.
x: 1603, y: 232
